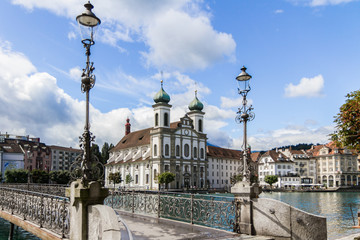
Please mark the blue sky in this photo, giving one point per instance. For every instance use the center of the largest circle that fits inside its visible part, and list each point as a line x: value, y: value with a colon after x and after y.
x: 303, y: 56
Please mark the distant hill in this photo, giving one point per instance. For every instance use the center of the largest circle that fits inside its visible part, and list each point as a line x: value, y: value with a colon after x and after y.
x: 300, y: 146
x: 212, y: 145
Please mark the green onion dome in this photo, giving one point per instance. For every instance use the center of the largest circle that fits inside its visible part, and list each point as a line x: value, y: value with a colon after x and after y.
x: 161, y: 96
x: 196, y: 105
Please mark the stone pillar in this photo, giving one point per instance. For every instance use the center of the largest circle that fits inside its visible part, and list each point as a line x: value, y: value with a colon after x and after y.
x: 244, y: 192
x: 80, y: 198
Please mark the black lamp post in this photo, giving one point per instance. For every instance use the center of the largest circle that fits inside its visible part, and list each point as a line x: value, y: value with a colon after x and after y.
x: 87, y: 166
x: 245, y: 114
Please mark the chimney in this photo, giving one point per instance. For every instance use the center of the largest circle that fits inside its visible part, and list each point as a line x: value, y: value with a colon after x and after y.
x: 127, y: 126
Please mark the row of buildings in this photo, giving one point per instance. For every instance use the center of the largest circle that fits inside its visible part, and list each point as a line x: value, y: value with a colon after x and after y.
x: 23, y: 152
x: 181, y: 147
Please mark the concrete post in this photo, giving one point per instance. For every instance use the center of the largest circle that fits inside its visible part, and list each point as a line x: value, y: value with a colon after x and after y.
x: 80, y: 199
x: 244, y: 192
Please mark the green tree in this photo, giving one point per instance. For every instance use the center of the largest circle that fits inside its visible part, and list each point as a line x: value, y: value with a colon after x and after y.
x: 60, y: 177
x: 166, y: 178
x: 271, y: 179
x: 348, y: 122
x: 16, y: 176
x: 39, y: 176
x: 105, y: 151
x: 236, y: 178
x: 128, y: 179
x: 96, y: 151
x: 115, y: 178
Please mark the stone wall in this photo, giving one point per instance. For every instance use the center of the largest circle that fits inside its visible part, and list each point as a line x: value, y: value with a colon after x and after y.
x: 282, y: 221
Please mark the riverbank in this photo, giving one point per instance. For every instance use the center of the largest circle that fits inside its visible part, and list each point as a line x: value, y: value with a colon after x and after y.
x: 334, y: 189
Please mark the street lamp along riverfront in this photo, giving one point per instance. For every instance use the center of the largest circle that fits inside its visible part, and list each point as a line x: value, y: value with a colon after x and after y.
x: 248, y: 186
x: 87, y: 166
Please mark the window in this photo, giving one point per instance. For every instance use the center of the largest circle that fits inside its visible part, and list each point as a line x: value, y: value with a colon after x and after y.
x: 147, y: 178
x: 195, y: 152
x: 155, y: 150
x: 166, y: 119
x: 177, y: 150
x: 200, y: 125
x: 178, y: 168
x: 156, y: 119
x: 201, y: 153
x: 186, y: 150
x: 194, y: 169
x: 167, y: 168
x: 136, y: 179
x: 166, y: 149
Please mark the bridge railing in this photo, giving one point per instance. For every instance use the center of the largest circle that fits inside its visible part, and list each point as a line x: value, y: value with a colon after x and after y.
x: 201, y: 209
x: 47, y: 211
x: 52, y: 189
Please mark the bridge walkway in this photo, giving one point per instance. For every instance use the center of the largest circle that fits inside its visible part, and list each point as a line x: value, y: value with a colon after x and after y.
x: 147, y: 228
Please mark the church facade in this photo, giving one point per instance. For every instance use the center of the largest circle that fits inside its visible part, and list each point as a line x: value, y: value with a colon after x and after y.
x: 177, y: 147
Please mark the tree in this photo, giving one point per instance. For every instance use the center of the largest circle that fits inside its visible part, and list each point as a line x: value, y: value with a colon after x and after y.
x: 128, y: 179
x: 115, y: 178
x: 236, y: 178
x: 39, y: 176
x: 166, y: 178
x: 348, y: 122
x: 60, y: 177
x: 96, y: 151
x: 271, y: 179
x: 105, y: 151
x: 16, y: 176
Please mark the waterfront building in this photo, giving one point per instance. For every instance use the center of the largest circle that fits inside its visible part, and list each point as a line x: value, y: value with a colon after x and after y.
x: 178, y: 147
x: 305, y: 167
x: 222, y: 165
x: 274, y: 162
x: 11, y: 155
x: 36, y: 154
x: 335, y: 166
x: 63, y: 157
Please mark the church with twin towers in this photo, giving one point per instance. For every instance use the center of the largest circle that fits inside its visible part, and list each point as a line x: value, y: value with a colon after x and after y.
x: 179, y: 147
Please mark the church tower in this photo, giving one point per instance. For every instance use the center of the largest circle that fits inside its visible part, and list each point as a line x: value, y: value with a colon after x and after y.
x: 196, y: 114
x: 161, y: 109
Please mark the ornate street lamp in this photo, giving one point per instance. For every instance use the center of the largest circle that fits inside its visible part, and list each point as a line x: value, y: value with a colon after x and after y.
x: 87, y: 166
x: 244, y: 115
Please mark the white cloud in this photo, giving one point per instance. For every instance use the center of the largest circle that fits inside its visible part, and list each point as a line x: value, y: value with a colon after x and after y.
x: 233, y: 102
x: 290, y: 135
x: 178, y: 33
x: 75, y: 73
x: 315, y: 3
x: 308, y: 87
x: 278, y: 11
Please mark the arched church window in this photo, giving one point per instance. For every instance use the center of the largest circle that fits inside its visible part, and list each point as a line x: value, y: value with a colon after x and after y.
x: 166, y: 149
x: 200, y: 125
x: 155, y: 150
x: 156, y: 119
x: 195, y: 152
x: 186, y: 150
x: 177, y: 150
x: 166, y: 119
x: 201, y: 153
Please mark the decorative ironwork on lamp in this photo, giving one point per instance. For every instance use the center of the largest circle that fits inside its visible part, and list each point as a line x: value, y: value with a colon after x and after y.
x: 87, y: 166
x: 245, y: 115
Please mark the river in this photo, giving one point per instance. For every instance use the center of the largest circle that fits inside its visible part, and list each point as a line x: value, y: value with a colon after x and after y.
x: 19, y: 233
x: 335, y: 206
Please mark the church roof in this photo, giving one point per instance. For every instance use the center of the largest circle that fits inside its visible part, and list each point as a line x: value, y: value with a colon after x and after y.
x: 196, y: 105
x: 161, y: 96
x: 133, y: 139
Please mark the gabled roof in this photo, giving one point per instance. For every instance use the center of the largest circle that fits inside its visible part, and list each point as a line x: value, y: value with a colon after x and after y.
x: 276, y: 156
x: 10, y: 146
x: 255, y: 156
x: 333, y: 149
x: 223, y: 152
x: 133, y: 139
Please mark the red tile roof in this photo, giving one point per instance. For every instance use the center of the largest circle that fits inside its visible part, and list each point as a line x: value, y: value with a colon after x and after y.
x: 223, y: 152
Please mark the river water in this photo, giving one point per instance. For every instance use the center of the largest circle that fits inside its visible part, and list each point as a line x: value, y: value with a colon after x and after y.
x: 19, y: 233
x: 339, y: 208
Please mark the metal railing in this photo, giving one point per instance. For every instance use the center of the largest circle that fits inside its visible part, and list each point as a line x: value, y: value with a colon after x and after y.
x: 206, y: 210
x: 53, y: 189
x: 47, y: 211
